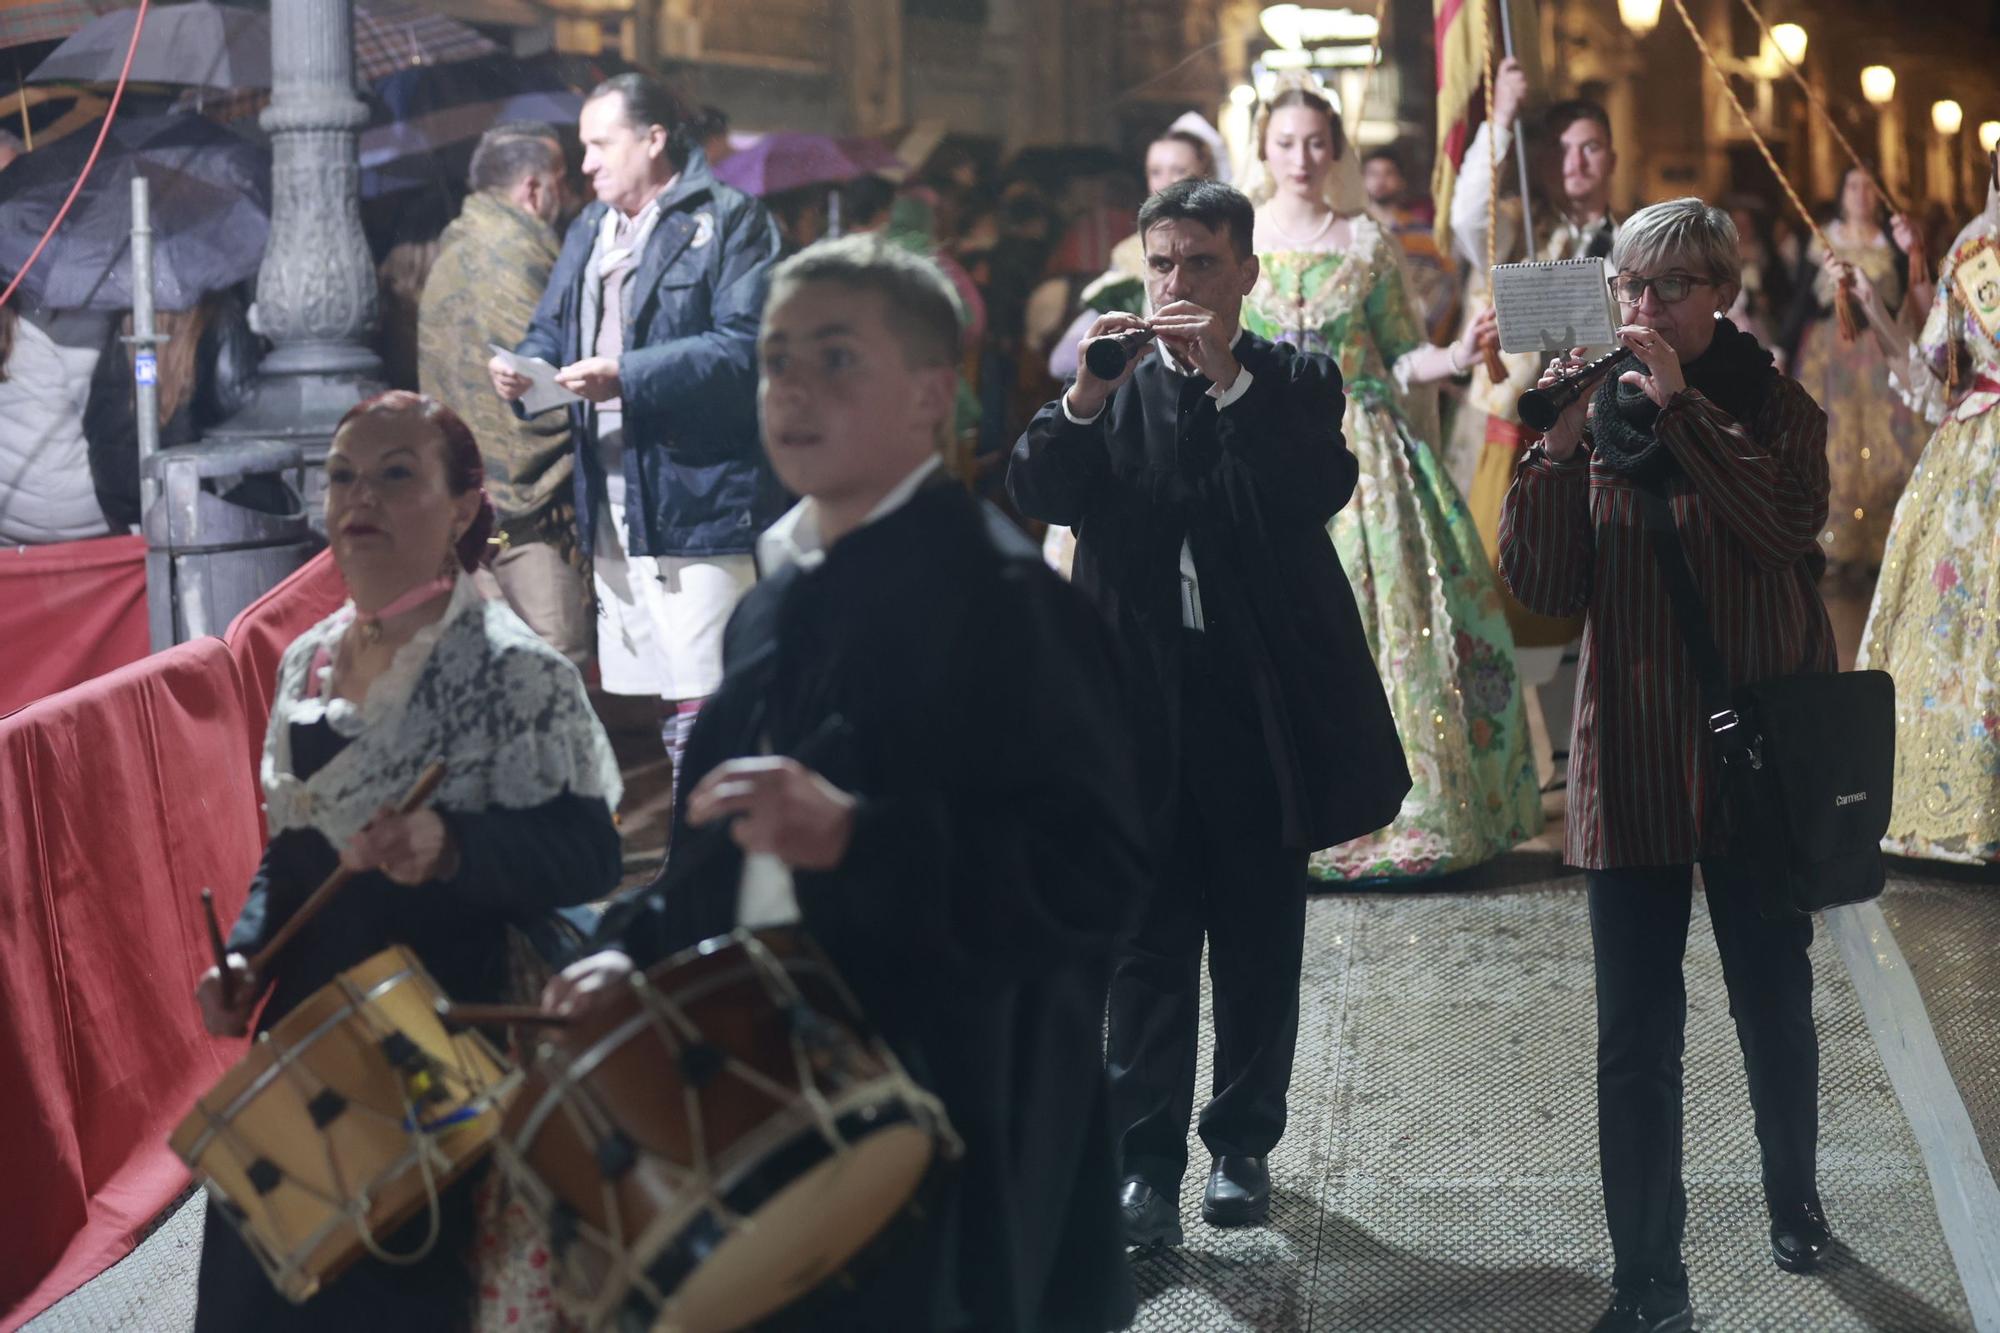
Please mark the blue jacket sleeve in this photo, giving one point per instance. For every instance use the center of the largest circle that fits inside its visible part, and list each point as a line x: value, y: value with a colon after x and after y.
x: 684, y: 379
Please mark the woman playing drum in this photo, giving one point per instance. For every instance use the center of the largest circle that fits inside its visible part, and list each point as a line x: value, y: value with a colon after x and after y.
x: 416, y: 668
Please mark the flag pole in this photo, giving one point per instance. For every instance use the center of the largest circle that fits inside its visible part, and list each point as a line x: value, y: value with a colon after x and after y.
x: 1520, y: 137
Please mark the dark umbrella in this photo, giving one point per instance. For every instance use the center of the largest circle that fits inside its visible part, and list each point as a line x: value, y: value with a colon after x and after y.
x: 210, y: 205
x: 789, y: 161
x: 26, y: 22
x: 202, y: 45
x: 206, y: 45
x: 431, y: 117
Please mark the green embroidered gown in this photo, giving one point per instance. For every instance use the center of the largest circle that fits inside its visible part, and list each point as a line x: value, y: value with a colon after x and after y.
x: 1426, y: 590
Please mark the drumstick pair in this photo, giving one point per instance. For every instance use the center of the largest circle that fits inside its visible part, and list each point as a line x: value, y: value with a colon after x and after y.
x: 413, y: 800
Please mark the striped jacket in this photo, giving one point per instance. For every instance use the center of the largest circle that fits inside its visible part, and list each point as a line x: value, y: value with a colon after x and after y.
x: 1750, y: 505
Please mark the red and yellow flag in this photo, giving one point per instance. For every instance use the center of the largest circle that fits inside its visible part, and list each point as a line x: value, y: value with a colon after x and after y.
x: 1462, y: 29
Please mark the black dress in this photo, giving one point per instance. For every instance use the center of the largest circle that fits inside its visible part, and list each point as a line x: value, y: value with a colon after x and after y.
x: 515, y: 867
x: 936, y: 668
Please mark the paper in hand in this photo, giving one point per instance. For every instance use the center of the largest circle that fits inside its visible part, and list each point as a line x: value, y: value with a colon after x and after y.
x: 543, y: 393
x: 1552, y: 307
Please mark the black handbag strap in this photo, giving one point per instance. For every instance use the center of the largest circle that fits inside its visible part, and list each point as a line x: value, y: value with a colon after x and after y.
x: 1711, y: 676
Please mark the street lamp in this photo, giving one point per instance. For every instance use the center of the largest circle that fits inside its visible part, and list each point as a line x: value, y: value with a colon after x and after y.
x: 1791, y: 40
x: 1641, y: 16
x: 1878, y: 85
x: 1295, y: 27
x: 1947, y: 117
x: 1989, y: 135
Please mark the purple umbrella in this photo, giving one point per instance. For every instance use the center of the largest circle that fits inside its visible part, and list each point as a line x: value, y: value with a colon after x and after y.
x: 791, y: 161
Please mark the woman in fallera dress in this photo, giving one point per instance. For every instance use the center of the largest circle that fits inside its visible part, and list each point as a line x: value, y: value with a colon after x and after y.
x: 1933, y: 624
x: 1872, y: 438
x: 1333, y: 282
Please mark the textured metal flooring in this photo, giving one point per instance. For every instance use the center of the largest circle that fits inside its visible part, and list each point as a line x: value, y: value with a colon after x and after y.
x: 1947, y: 921
x: 1440, y: 1172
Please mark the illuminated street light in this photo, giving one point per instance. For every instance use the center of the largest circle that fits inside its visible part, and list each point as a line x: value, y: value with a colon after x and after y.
x: 1878, y: 85
x: 1295, y: 27
x: 1791, y: 40
x: 1641, y: 16
x: 1947, y: 117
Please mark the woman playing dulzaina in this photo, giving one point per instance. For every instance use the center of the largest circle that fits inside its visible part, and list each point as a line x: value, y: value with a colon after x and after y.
x: 1739, y: 452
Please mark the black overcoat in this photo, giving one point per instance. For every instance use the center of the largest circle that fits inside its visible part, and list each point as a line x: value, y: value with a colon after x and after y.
x: 1251, y: 489
x: 935, y: 667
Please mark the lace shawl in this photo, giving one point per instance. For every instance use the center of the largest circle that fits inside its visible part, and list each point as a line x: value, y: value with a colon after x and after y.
x: 477, y: 689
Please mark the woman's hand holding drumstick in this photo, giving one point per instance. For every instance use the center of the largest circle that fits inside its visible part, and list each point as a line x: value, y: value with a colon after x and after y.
x: 228, y: 999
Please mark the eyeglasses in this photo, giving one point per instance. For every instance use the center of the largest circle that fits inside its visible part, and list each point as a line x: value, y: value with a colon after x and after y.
x: 1669, y: 287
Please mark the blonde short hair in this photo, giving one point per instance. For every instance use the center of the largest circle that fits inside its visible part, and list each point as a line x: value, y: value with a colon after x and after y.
x: 1680, y: 233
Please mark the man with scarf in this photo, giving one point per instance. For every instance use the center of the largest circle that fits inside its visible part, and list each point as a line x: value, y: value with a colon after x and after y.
x: 1200, y: 482
x: 651, y: 316
x: 1739, y: 453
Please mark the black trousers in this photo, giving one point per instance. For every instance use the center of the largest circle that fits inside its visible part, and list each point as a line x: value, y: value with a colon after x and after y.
x: 1638, y: 930
x: 1230, y: 880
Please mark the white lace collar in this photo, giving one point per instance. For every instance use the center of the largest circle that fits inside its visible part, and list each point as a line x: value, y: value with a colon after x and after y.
x: 477, y: 689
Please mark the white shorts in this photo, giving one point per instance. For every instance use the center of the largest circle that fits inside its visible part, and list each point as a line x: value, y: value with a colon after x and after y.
x: 660, y: 618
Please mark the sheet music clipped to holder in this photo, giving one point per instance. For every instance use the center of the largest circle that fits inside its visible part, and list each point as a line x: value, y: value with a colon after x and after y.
x: 1552, y: 306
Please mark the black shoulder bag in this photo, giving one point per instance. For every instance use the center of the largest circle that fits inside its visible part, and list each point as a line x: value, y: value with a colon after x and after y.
x: 1807, y: 760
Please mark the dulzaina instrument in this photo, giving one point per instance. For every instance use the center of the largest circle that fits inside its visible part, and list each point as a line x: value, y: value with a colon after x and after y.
x: 717, y: 1138
x: 1107, y: 356
x: 1539, y: 409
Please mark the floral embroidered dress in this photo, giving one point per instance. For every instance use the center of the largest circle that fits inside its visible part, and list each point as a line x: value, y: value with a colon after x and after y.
x: 1427, y: 594
x: 1872, y: 438
x: 1933, y: 624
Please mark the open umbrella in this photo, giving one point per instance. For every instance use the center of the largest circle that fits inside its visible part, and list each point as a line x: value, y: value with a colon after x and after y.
x: 210, y: 205
x: 206, y: 45
x: 203, y: 45
x: 25, y: 22
x: 431, y: 116
x: 791, y: 161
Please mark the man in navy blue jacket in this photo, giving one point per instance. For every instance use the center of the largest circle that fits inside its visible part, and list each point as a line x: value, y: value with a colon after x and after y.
x: 651, y: 315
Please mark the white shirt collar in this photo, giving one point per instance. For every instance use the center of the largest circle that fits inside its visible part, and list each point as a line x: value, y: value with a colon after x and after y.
x: 794, y: 539
x: 1174, y: 366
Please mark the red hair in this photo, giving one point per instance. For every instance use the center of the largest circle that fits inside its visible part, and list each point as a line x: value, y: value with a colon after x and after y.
x: 464, y: 469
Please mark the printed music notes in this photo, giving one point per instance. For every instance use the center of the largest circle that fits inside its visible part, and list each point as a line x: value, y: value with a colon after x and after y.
x: 1552, y: 307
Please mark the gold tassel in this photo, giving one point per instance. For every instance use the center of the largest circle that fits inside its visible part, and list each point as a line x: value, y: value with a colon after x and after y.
x: 1920, y: 254
x: 1844, y: 311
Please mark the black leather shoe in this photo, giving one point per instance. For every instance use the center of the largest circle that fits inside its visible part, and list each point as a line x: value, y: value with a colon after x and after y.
x: 1152, y: 1220
x: 1647, y: 1307
x: 1800, y: 1238
x: 1238, y: 1193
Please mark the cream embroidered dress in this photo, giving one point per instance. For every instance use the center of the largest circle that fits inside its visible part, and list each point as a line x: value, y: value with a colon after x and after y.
x: 1427, y: 594
x: 1935, y: 622
x: 1872, y: 438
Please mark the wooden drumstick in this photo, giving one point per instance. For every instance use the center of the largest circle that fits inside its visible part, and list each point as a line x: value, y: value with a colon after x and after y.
x: 472, y: 1015
x: 413, y: 800
x: 221, y: 950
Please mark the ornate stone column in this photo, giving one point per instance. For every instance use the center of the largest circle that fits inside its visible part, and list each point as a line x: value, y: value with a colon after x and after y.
x: 316, y: 297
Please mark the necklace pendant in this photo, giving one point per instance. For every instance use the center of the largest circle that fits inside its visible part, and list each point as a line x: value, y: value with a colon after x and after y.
x: 371, y: 632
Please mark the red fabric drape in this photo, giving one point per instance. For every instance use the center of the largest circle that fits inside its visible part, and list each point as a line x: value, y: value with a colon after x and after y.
x: 68, y: 612
x: 119, y: 800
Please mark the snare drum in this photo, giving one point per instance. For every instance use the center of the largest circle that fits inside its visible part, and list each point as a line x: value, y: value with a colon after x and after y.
x: 344, y: 1121
x: 716, y: 1139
